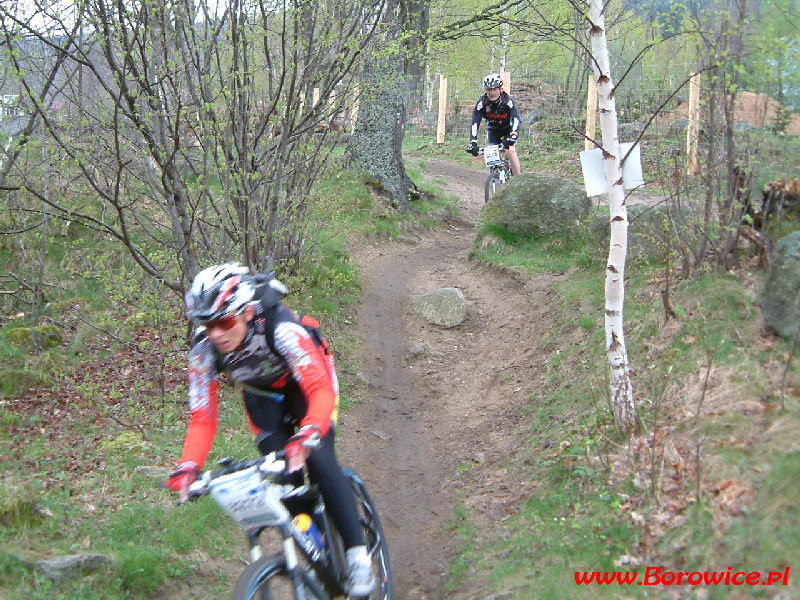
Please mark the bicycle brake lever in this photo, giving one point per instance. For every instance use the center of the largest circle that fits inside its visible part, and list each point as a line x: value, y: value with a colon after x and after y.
x: 274, y: 463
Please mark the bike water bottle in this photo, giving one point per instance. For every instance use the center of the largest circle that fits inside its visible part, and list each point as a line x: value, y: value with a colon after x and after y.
x: 306, y: 524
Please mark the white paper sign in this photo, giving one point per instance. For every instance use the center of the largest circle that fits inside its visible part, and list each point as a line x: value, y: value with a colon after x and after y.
x: 594, y: 175
x: 632, y: 167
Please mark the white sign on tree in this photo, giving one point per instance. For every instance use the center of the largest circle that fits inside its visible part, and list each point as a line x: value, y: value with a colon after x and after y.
x: 594, y: 175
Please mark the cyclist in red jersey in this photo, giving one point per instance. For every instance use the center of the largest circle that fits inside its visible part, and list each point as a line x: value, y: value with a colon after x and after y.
x: 290, y: 392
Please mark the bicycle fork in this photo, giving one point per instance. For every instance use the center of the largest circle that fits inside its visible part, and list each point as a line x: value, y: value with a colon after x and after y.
x: 290, y: 553
x: 255, y: 545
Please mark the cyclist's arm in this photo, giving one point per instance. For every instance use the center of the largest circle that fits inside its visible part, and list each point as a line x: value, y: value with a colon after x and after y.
x: 203, y: 404
x: 513, y: 113
x: 477, y: 116
x: 311, y: 371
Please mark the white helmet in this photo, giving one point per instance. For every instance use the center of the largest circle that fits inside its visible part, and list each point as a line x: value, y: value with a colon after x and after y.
x: 492, y: 81
x: 219, y: 291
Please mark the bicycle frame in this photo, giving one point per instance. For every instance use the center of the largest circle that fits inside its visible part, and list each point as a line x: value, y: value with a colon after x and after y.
x: 495, y: 159
x: 249, y: 493
x: 499, y: 169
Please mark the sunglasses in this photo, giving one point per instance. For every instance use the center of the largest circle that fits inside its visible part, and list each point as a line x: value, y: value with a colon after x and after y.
x: 225, y: 323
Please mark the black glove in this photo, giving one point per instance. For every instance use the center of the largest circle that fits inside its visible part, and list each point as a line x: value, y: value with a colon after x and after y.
x: 510, y: 140
x: 183, y: 476
x: 473, y: 148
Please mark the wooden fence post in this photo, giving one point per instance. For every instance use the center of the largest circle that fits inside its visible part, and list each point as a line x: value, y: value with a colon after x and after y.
x: 591, y: 115
x: 506, y: 77
x: 694, y: 124
x: 440, y: 124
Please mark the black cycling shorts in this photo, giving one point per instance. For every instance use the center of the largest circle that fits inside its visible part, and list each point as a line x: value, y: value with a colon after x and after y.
x: 495, y: 136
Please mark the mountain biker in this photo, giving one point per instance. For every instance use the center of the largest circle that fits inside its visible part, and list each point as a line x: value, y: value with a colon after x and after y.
x: 289, y: 381
x: 502, y: 120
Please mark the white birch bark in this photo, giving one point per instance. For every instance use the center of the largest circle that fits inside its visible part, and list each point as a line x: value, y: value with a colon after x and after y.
x: 621, y: 388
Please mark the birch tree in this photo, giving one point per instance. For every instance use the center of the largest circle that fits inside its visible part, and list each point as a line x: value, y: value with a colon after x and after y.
x: 621, y: 387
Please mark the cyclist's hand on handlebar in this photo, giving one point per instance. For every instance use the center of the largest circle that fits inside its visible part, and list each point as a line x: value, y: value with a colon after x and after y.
x: 180, y: 479
x: 300, y: 445
x: 473, y: 148
x: 510, y: 140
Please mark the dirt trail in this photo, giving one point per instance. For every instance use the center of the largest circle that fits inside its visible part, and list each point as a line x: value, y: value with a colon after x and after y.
x: 442, y: 397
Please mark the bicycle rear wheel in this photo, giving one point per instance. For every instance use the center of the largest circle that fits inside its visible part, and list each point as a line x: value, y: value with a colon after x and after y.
x: 374, y: 537
x: 268, y: 579
x: 492, y: 183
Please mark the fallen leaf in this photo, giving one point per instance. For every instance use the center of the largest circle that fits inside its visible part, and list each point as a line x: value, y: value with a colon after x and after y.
x: 733, y: 496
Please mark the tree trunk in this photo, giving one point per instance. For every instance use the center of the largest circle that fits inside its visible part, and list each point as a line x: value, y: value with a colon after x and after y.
x: 416, y: 18
x: 621, y: 387
x: 708, y: 174
x: 732, y: 209
x: 377, y: 140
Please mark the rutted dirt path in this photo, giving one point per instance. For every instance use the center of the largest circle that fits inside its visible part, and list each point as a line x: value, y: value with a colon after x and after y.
x: 442, y: 397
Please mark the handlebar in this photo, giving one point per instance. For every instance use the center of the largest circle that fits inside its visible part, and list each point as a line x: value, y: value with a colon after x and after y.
x: 482, y: 151
x: 271, y: 465
x: 498, y: 146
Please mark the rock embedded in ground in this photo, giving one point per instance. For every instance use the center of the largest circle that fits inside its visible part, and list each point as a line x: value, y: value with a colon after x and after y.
x: 71, y: 566
x: 536, y: 204
x: 416, y: 349
x: 154, y: 472
x: 445, y: 307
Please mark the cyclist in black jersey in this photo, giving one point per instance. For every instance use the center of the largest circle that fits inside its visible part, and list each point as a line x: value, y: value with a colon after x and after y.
x: 502, y: 120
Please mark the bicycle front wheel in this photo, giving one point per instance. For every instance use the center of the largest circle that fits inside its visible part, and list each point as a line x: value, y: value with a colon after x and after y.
x: 371, y: 527
x: 492, y: 183
x: 268, y: 579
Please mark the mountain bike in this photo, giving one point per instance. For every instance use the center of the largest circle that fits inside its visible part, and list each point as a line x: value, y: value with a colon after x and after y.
x: 254, y: 493
x: 499, y: 169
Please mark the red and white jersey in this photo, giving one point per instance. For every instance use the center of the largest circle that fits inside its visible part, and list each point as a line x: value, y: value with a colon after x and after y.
x: 296, y: 366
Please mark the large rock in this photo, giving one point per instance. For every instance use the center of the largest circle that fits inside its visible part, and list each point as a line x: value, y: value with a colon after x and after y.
x: 534, y: 204
x: 652, y: 230
x: 445, y: 307
x: 780, y: 297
